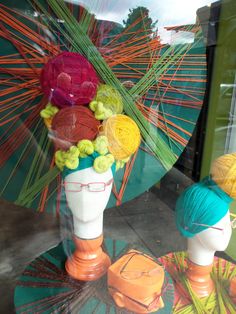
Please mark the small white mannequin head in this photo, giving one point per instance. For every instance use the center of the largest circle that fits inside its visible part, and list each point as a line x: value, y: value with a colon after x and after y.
x: 202, y: 246
x: 88, y: 167
x: 202, y: 216
x: 87, y: 193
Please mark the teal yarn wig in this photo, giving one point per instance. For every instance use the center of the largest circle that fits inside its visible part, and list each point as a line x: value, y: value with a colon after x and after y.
x: 204, y: 203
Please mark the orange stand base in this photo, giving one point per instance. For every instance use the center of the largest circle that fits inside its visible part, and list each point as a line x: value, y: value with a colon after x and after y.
x: 89, y: 262
x: 200, y: 279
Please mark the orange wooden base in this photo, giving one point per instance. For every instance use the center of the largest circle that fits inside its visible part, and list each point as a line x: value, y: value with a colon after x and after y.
x: 177, y: 265
x: 200, y: 279
x: 89, y: 262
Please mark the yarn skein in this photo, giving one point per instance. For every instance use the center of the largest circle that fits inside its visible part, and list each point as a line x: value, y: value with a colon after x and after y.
x: 123, y: 136
x: 72, y: 124
x: 223, y: 172
x: 69, y: 79
x: 107, y: 102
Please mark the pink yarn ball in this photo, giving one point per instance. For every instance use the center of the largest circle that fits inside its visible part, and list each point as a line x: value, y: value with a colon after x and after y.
x: 69, y: 79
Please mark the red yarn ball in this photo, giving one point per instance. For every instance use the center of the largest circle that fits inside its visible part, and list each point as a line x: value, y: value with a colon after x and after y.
x: 69, y: 79
x: 72, y: 124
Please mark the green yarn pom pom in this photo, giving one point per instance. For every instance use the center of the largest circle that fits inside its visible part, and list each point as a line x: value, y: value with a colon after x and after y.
x: 49, y: 111
x: 60, y: 159
x: 101, y: 144
x: 100, y: 112
x: 72, y: 163
x: 107, y: 102
x: 73, y: 152
x: 70, y: 158
x: 101, y: 164
x: 86, y: 148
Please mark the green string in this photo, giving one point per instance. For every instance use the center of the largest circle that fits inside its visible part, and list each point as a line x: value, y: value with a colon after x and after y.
x: 34, y: 164
x: 19, y: 160
x: 32, y: 192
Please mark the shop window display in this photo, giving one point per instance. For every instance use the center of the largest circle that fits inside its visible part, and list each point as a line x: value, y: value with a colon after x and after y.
x: 99, y: 100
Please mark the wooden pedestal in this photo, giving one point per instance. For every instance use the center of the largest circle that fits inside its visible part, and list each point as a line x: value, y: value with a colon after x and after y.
x: 200, y: 279
x: 89, y: 262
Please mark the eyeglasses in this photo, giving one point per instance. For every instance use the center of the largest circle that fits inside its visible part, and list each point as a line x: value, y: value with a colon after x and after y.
x: 232, y: 223
x: 151, y: 306
x: 92, y: 186
x: 136, y: 274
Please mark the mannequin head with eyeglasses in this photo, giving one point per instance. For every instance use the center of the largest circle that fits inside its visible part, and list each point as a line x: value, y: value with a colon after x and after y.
x: 87, y: 194
x: 202, y: 246
x: 87, y: 165
x: 202, y: 212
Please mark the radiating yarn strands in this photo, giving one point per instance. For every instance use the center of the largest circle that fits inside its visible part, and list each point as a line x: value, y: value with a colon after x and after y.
x: 186, y: 301
x: 159, y: 95
x: 45, y: 287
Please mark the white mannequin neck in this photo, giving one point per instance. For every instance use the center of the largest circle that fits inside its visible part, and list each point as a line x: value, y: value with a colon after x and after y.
x: 88, y: 230
x: 198, y: 254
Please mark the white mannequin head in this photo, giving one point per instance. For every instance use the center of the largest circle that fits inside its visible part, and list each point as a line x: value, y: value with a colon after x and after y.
x: 202, y: 246
x: 87, y: 207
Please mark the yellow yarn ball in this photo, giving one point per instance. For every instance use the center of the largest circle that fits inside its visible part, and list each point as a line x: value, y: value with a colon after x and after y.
x: 123, y: 136
x: 223, y: 172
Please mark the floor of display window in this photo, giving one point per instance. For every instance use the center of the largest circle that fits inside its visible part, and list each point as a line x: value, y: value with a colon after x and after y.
x: 147, y: 220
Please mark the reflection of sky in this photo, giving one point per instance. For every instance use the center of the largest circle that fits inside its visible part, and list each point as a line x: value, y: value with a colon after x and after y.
x: 167, y: 12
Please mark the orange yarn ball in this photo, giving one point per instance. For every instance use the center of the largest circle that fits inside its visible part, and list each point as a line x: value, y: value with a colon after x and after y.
x: 72, y: 124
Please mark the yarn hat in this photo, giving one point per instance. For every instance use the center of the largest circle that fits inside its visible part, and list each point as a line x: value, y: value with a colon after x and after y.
x: 201, y: 203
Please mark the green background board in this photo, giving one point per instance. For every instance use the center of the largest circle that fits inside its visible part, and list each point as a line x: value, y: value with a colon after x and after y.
x: 45, y: 279
x: 221, y: 96
x: 147, y: 170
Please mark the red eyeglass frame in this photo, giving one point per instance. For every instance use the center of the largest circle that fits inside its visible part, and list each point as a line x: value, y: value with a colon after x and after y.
x: 232, y: 223
x: 83, y: 185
